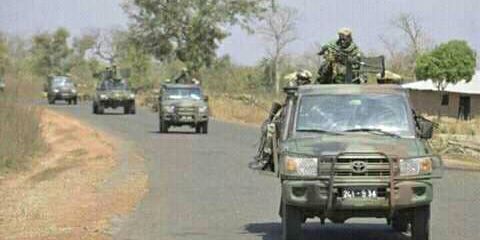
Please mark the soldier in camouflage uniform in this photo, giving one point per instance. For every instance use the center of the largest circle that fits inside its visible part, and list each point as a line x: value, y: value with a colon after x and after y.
x: 184, y: 77
x: 339, y: 55
x: 264, y: 152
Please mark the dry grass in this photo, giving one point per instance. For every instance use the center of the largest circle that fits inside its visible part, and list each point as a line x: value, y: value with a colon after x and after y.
x: 72, y: 192
x: 232, y: 110
x: 20, y: 132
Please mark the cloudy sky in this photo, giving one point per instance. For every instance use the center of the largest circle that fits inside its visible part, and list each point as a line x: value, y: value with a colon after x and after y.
x: 317, y: 23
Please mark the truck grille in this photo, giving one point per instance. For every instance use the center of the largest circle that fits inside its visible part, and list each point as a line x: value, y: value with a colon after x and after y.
x: 357, y: 166
x: 186, y: 111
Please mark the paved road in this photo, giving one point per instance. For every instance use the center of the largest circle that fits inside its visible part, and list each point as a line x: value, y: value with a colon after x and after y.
x: 200, y: 188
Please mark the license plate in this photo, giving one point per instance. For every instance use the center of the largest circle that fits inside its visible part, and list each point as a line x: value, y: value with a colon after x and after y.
x: 187, y: 118
x: 359, y: 193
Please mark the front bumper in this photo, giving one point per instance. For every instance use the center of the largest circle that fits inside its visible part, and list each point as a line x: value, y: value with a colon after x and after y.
x: 114, y: 103
x: 313, y: 194
x: 64, y: 96
x: 180, y: 119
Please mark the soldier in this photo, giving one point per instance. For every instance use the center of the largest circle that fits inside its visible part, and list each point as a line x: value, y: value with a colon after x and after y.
x: 264, y: 152
x: 338, y: 56
x: 184, y: 77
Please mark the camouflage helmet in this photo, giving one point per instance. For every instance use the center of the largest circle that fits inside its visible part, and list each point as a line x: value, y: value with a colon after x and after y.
x: 345, y: 32
x: 304, y: 74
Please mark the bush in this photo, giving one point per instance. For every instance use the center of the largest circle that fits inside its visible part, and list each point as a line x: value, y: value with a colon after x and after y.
x: 20, y: 131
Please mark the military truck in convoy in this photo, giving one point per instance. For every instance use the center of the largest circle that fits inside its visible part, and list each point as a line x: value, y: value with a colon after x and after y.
x: 352, y: 150
x: 61, y: 88
x: 183, y: 105
x: 113, y: 92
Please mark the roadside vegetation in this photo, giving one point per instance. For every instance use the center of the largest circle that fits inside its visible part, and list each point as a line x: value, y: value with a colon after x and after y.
x: 20, y: 130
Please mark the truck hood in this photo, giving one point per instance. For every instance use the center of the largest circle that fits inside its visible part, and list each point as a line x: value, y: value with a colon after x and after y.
x: 359, y: 143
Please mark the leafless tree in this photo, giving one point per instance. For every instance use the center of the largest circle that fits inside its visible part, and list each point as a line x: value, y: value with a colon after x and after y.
x: 278, y: 29
x: 402, y: 60
x: 411, y: 27
x: 106, y: 44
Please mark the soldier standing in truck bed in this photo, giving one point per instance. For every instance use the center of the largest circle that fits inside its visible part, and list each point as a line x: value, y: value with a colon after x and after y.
x: 337, y: 55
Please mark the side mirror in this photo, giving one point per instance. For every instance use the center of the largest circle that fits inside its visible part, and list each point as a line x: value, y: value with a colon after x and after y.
x: 205, y: 98
x: 425, y: 127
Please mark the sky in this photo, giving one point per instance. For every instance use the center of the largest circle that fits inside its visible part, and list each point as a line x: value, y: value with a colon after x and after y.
x: 318, y: 21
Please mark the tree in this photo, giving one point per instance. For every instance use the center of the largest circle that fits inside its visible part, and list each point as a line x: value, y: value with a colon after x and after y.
x: 3, y: 55
x: 278, y: 30
x: 51, y: 52
x: 187, y: 30
x: 403, y: 60
x: 447, y: 64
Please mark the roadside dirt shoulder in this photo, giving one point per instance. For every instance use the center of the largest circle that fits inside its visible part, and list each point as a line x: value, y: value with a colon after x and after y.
x: 75, y: 189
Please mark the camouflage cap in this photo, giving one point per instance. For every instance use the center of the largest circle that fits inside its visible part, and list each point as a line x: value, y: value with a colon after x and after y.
x: 345, y: 31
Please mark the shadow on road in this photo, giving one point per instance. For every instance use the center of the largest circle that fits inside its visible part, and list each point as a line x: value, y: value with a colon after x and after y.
x: 175, y: 132
x: 315, y: 231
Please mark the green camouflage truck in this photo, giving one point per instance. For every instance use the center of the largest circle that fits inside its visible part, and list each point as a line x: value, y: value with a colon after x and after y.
x: 344, y: 151
x: 114, y: 93
x: 183, y: 105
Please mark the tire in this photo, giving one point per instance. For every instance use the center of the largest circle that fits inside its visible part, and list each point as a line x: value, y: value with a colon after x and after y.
x: 198, y: 128
x: 75, y: 101
x: 291, y: 223
x: 163, y: 126
x: 51, y: 101
x: 94, y: 107
x: 400, y: 222
x: 126, y: 109
x: 69, y: 102
x: 133, y: 110
x: 205, y: 127
x: 100, y: 109
x: 421, y: 223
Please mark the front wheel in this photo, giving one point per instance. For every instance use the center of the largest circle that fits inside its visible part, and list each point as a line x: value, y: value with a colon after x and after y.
x: 292, y: 219
x: 421, y: 223
x: 163, y: 126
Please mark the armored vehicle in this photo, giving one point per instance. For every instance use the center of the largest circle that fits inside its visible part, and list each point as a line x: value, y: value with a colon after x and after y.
x: 344, y: 151
x: 61, y: 88
x: 113, y: 93
x: 183, y: 105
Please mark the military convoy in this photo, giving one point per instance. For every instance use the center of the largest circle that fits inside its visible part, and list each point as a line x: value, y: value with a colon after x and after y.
x: 61, y: 88
x: 113, y: 92
x: 183, y: 105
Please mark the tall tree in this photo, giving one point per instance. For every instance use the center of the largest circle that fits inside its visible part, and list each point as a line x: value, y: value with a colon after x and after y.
x: 447, y: 64
x: 402, y: 60
x: 278, y: 29
x: 188, y: 30
x: 51, y: 52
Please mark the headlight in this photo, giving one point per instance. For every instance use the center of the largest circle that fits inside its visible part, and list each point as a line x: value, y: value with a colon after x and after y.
x: 301, y: 166
x: 103, y: 96
x: 131, y: 96
x: 74, y: 91
x: 56, y: 90
x: 169, y: 109
x: 416, y: 166
x: 203, y: 109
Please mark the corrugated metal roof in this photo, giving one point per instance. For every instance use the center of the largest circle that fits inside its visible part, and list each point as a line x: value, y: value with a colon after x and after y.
x: 472, y: 87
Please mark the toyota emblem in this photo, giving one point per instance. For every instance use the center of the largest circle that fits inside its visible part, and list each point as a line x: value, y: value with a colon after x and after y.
x: 359, y: 167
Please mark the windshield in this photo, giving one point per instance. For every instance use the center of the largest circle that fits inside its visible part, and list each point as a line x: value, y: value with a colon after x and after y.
x: 348, y: 113
x: 183, y: 93
x: 114, y: 85
x: 62, y: 82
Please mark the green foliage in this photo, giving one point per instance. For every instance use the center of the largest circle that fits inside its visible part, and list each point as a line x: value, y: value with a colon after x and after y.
x: 51, y: 52
x: 188, y: 30
x: 3, y: 55
x: 448, y: 63
x: 134, y: 58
